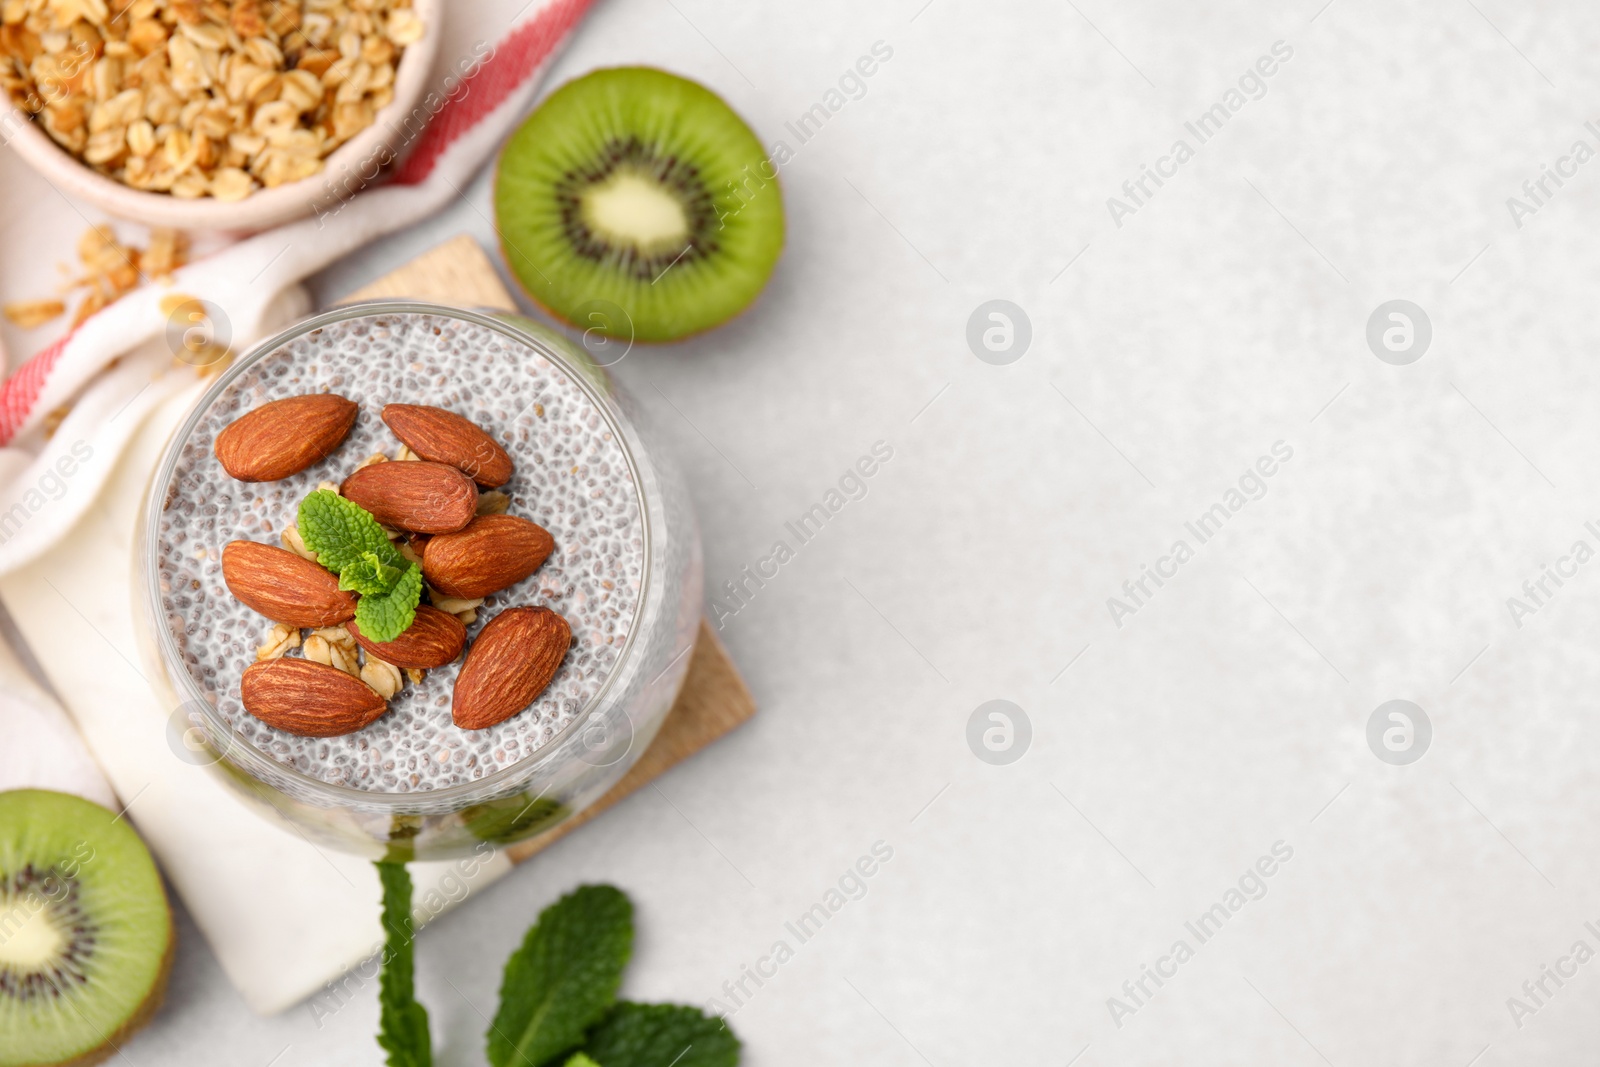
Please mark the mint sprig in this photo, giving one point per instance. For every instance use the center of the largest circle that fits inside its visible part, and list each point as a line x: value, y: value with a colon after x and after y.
x: 349, y: 542
x: 385, y: 616
x: 402, y: 1022
x: 341, y: 531
x: 564, y: 978
x: 368, y: 575
x: 558, y: 1005
x: 661, y: 1035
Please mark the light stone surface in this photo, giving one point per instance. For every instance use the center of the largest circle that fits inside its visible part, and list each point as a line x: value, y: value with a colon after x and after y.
x: 1230, y: 711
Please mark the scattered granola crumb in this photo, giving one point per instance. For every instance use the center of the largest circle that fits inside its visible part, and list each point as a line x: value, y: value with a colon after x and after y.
x: 54, y: 418
x: 294, y: 543
x: 110, y: 269
x: 31, y: 314
x: 216, y: 366
x: 334, y: 646
x: 494, y: 502
x: 382, y: 677
x: 113, y: 268
x: 280, y: 639
x: 461, y: 607
x: 172, y: 302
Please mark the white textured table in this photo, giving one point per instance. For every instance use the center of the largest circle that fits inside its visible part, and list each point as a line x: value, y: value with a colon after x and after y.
x: 1227, y: 313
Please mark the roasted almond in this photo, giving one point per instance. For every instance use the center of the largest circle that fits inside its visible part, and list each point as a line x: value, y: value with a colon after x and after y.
x: 308, y: 699
x: 283, y: 586
x: 433, y: 639
x: 493, y: 552
x: 422, y: 497
x: 445, y: 437
x: 509, y: 664
x: 284, y: 437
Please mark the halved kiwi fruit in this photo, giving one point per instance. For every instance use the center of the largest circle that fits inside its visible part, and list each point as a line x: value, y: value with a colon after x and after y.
x: 85, y: 932
x: 636, y: 191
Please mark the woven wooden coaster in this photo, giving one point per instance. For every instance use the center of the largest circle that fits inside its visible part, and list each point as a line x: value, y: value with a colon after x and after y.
x: 714, y: 699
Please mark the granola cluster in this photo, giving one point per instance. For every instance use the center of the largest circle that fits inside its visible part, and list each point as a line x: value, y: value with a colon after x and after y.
x: 335, y: 646
x: 110, y: 269
x: 203, y: 97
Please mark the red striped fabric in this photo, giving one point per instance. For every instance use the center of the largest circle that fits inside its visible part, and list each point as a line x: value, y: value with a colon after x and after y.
x: 22, y: 389
x: 488, y: 86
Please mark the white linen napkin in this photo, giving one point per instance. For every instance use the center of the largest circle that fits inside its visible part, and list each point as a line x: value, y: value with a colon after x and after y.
x: 39, y: 747
x: 245, y: 879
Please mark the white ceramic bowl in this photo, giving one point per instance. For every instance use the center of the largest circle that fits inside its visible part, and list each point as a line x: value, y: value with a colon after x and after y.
x: 263, y: 208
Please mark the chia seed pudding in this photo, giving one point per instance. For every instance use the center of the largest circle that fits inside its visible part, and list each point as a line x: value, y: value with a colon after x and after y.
x: 571, y: 476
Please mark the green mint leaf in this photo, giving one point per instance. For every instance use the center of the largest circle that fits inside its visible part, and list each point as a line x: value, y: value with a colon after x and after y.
x: 385, y: 616
x: 402, y: 1022
x: 339, y: 531
x: 564, y: 978
x: 662, y: 1035
x: 368, y: 575
x: 580, y: 1060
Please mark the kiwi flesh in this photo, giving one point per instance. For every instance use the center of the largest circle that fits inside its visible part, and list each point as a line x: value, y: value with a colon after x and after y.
x: 511, y: 819
x: 637, y: 204
x: 86, y: 935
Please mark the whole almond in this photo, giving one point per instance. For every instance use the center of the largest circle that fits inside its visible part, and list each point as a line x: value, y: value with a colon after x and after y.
x: 283, y: 586
x: 284, y: 437
x: 445, y: 437
x: 509, y: 664
x: 493, y: 552
x: 433, y: 639
x: 430, y: 498
x: 308, y: 699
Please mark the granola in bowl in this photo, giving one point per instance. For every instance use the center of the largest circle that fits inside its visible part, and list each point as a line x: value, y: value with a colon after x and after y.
x: 200, y: 97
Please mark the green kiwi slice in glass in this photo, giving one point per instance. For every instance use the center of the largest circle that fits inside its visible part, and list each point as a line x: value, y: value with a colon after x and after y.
x: 86, y: 936
x: 637, y: 204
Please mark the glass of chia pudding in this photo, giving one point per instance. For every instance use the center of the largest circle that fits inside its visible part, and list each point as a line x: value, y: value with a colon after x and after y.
x: 405, y: 780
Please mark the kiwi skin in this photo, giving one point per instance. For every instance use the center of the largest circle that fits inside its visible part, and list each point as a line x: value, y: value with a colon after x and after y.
x: 142, y: 1016
x: 71, y: 815
x: 697, y: 102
